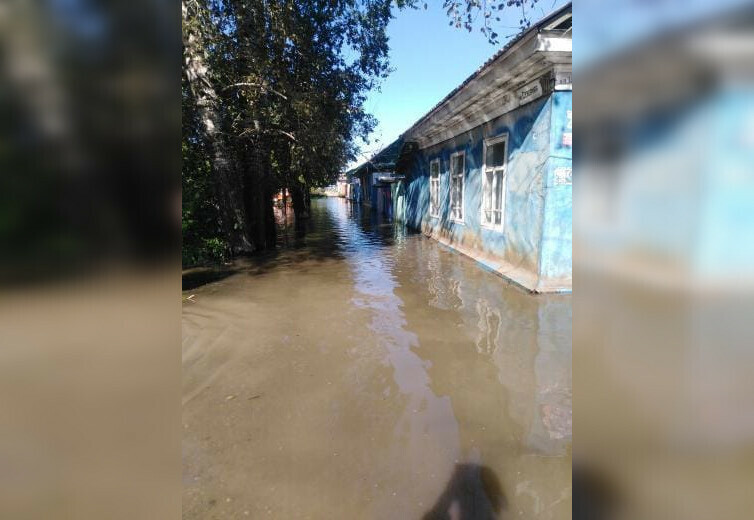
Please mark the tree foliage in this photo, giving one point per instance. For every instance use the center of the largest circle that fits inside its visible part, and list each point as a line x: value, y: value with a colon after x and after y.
x: 273, y: 97
x: 485, y: 15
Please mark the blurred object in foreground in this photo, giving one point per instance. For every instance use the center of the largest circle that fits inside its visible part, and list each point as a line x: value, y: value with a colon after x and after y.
x: 664, y: 259
x: 90, y: 399
x: 89, y: 210
x: 89, y: 136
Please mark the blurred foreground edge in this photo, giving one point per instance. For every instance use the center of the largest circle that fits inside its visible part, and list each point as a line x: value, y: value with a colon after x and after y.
x: 664, y: 261
x: 90, y: 120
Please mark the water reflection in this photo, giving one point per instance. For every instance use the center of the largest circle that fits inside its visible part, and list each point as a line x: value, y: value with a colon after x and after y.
x: 426, y: 421
x: 408, y: 374
x: 499, y: 367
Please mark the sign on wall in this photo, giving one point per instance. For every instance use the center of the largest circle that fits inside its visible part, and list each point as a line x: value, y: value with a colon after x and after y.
x: 563, y: 80
x: 563, y: 176
x: 529, y: 92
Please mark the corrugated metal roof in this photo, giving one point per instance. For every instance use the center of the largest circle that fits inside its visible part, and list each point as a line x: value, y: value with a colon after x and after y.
x: 385, y: 158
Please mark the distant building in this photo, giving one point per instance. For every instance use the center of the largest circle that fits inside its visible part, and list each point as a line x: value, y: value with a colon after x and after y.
x: 371, y: 182
x: 488, y: 170
x: 342, y: 185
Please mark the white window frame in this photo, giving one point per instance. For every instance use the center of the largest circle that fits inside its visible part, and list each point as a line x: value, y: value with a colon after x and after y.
x: 434, y: 185
x: 462, y: 175
x: 503, y: 171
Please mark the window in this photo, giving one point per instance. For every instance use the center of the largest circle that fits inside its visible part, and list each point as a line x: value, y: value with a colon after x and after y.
x: 434, y: 188
x: 493, y: 182
x: 456, y: 186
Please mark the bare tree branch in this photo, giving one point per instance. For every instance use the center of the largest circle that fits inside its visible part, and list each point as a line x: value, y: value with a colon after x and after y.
x: 258, y: 85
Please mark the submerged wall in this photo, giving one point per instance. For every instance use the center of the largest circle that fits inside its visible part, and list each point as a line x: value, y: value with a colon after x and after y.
x: 529, y: 244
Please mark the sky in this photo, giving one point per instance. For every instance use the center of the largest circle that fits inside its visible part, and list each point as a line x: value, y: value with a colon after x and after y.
x: 430, y: 59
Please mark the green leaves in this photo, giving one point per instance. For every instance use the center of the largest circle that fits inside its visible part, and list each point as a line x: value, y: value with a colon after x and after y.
x: 299, y: 74
x: 468, y: 14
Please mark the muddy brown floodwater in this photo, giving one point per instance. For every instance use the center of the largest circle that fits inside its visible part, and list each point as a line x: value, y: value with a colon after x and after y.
x: 363, y: 371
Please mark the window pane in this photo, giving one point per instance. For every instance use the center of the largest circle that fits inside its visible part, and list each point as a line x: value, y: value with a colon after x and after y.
x: 456, y: 186
x: 499, y: 191
x: 488, y: 190
x: 434, y: 169
x: 435, y: 195
x: 495, y: 155
x: 459, y: 199
x: 458, y: 164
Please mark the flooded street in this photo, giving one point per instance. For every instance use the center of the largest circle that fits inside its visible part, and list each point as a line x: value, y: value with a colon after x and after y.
x: 363, y: 371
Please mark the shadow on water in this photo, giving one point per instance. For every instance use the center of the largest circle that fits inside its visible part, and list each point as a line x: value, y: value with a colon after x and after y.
x: 594, y: 496
x: 315, y: 240
x: 296, y: 243
x: 319, y: 238
x: 193, y: 278
x: 473, y: 493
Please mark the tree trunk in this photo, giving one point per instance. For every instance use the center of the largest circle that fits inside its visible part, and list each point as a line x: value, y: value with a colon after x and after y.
x: 300, y: 208
x: 255, y: 151
x: 259, y: 197
x: 226, y: 180
x: 269, y: 216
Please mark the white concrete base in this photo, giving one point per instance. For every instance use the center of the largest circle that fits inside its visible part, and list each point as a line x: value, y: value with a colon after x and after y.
x: 518, y: 276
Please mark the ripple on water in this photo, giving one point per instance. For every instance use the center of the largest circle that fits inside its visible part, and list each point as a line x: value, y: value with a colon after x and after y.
x: 394, y: 374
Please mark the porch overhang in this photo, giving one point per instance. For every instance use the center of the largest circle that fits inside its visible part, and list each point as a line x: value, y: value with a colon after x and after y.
x: 388, y: 177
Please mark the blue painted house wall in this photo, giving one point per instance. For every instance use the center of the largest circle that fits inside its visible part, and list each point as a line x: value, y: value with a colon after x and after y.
x: 536, y: 236
x: 556, y: 247
x: 522, y: 93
